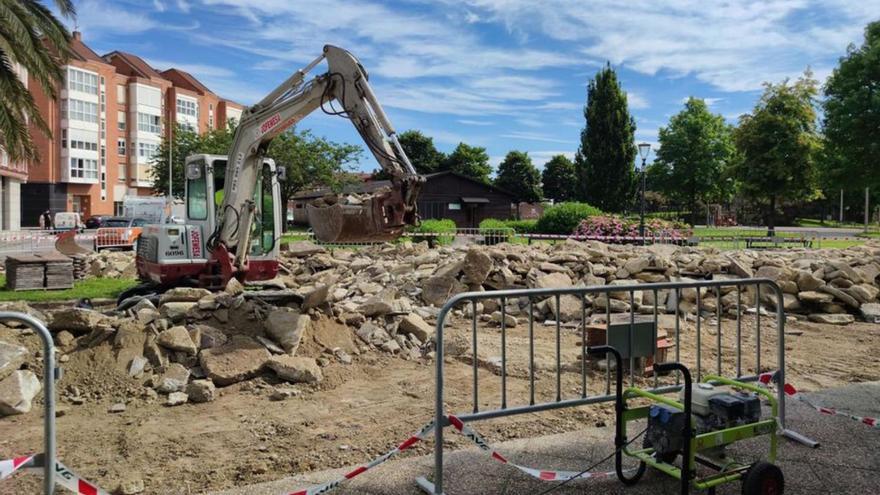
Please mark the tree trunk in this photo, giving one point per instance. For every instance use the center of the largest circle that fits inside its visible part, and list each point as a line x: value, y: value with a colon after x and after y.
x: 771, y: 216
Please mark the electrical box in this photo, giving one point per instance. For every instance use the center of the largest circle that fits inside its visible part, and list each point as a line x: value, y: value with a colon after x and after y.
x: 640, y: 340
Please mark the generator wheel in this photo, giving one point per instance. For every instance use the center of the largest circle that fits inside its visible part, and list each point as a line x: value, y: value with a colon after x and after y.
x: 632, y: 480
x: 668, y: 458
x: 763, y: 478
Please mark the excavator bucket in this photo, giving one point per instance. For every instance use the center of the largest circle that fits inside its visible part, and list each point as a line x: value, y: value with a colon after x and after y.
x: 353, y: 219
x: 66, y: 244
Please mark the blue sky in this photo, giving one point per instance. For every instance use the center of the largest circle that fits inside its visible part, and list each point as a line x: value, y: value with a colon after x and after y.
x: 503, y: 74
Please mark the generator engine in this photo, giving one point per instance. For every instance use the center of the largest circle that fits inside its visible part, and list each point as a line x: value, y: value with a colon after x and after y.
x: 713, y: 408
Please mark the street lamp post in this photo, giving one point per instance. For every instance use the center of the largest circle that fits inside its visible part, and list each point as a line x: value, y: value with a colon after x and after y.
x: 644, y: 150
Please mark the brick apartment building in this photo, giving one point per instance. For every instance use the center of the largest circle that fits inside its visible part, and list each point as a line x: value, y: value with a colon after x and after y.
x: 107, y: 124
x: 12, y: 174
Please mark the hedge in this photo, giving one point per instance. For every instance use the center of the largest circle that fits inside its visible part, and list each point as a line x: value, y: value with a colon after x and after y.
x: 435, y: 226
x: 564, y: 218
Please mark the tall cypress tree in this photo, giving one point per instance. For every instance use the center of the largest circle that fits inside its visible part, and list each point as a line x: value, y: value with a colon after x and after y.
x: 605, y: 158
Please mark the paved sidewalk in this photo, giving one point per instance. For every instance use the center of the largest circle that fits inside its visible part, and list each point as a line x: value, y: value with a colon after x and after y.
x: 846, y: 463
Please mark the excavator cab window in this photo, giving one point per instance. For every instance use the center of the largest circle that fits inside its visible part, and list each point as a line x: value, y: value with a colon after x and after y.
x: 196, y: 191
x: 263, y: 235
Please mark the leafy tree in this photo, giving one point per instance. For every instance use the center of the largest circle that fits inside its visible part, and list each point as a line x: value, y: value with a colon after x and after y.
x: 695, y: 149
x: 470, y: 161
x: 779, y: 145
x: 31, y: 36
x: 604, y: 161
x: 852, y: 115
x: 518, y: 176
x: 559, y: 179
x: 311, y: 161
x: 184, y: 142
x: 420, y: 150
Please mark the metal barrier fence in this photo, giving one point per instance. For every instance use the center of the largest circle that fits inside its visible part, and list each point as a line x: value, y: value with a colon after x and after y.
x: 37, y: 241
x: 696, y: 293
x: 50, y: 374
x: 116, y: 237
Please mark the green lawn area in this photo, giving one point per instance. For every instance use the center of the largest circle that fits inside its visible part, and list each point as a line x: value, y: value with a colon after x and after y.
x: 814, y: 222
x: 92, y: 288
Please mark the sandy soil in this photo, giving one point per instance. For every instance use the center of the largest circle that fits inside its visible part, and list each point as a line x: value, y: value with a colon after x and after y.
x: 363, y: 409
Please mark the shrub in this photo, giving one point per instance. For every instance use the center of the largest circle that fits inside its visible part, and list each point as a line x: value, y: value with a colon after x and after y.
x: 434, y: 226
x: 494, y: 231
x: 522, y: 226
x: 612, y: 225
x: 564, y: 218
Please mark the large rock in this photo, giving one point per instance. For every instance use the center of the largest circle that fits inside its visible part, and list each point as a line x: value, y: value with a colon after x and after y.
x: 840, y: 295
x: 183, y: 294
x: 741, y: 268
x: 832, y: 319
x: 176, y: 311
x: 302, y: 249
x: 11, y: 358
x: 553, y: 281
x: 239, y: 359
x: 371, y: 333
x: 863, y: 292
x: 775, y: 273
x: 814, y: 297
x: 77, y: 321
x: 806, y: 281
x: 201, y: 391
x: 477, y: 265
x: 287, y: 327
x: 871, y: 312
x: 379, y: 305
x: 174, y: 379
x: 178, y: 339
x: 316, y: 297
x: 438, y: 289
x: 17, y: 391
x: 415, y: 325
x: 296, y: 369
x: 637, y: 265
x: 569, y: 307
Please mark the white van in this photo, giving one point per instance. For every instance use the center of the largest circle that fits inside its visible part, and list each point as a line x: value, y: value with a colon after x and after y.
x: 67, y: 220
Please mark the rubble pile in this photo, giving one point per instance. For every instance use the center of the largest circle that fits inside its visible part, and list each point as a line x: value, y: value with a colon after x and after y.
x: 187, y: 344
x: 109, y: 264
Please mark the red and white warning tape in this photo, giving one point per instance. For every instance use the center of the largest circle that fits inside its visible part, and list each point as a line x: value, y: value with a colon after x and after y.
x: 541, y: 474
x: 769, y: 378
x: 63, y: 475
x: 330, y: 485
x: 461, y: 427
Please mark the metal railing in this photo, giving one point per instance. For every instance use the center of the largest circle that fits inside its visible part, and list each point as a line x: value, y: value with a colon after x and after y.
x: 50, y: 374
x: 38, y: 241
x: 116, y: 237
x: 696, y: 293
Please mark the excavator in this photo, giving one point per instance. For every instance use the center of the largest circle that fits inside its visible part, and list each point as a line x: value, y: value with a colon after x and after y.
x: 233, y: 203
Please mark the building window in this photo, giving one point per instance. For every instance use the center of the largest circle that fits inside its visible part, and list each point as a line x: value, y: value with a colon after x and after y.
x: 187, y: 107
x: 121, y: 172
x: 148, y: 123
x: 211, y: 121
x: 103, y: 129
x: 76, y: 144
x: 79, y: 110
x: 120, y: 147
x: 64, y: 138
x: 147, y: 150
x: 118, y: 210
x: 83, y: 168
x: 120, y: 120
x: 83, y: 82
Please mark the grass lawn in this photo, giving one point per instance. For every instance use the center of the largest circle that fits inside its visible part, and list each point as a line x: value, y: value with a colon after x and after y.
x: 92, y: 288
x: 814, y: 222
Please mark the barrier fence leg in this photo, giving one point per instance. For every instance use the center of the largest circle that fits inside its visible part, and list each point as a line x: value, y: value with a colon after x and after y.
x: 48, y: 394
x: 780, y: 349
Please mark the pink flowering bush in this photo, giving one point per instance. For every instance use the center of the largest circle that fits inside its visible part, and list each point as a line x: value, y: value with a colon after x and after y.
x: 615, y: 226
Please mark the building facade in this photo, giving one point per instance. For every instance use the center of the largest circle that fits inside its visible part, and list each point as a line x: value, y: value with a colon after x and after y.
x: 12, y: 175
x: 108, y: 122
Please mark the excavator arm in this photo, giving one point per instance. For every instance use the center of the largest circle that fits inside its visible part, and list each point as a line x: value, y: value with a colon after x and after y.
x: 345, y: 83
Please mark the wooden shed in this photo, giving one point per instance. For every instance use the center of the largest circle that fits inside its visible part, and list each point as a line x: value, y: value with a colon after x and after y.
x: 446, y: 194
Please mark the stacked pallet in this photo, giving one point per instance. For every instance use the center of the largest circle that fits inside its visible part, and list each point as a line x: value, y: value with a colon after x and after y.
x: 39, y: 271
x: 80, y: 266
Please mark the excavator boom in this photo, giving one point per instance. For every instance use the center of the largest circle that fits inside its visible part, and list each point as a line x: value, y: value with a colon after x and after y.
x: 381, y: 217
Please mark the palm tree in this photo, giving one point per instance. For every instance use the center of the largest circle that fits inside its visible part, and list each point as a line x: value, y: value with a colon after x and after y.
x: 33, y: 37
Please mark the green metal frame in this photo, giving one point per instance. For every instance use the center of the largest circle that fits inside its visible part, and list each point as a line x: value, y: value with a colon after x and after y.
x: 704, y: 441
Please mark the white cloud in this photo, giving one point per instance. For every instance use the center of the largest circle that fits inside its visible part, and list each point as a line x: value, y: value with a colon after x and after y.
x: 100, y: 17
x: 536, y: 136
x: 709, y: 101
x: 200, y: 71
x: 475, y: 122
x: 733, y: 46
x: 636, y: 100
